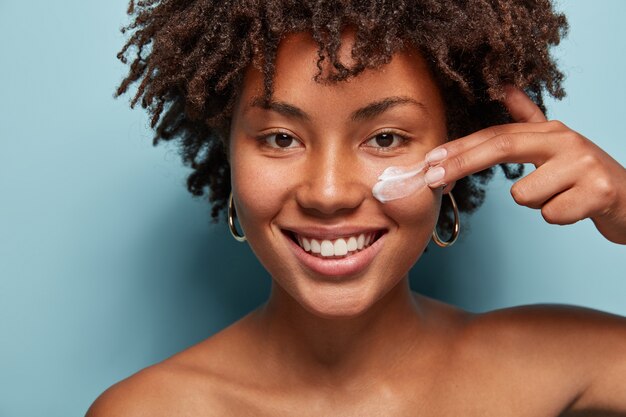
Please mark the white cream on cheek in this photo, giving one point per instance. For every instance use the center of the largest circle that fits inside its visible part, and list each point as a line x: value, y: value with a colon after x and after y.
x: 399, y: 182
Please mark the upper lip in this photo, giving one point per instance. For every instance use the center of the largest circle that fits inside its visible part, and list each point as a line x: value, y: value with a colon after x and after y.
x: 331, y: 233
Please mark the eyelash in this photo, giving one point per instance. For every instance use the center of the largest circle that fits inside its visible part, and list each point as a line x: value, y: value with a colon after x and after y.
x: 404, y: 139
x: 262, y: 139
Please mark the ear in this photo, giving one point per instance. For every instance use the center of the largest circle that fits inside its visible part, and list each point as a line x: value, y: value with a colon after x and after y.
x: 448, y: 187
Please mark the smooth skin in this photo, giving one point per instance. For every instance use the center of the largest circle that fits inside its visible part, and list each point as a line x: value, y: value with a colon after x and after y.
x: 364, y: 344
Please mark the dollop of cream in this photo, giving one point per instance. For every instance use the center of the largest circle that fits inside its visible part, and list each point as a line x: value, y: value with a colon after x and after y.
x: 399, y: 182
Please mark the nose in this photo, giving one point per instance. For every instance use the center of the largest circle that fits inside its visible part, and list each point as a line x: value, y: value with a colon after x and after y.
x: 333, y: 183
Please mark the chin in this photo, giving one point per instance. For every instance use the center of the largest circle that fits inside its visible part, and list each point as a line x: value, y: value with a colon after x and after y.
x: 338, y: 302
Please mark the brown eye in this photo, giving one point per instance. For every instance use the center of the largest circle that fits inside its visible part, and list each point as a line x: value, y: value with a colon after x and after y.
x: 385, y: 140
x: 281, y: 140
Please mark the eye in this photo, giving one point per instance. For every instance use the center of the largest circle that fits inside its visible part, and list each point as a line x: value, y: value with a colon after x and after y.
x: 386, y: 140
x: 281, y: 140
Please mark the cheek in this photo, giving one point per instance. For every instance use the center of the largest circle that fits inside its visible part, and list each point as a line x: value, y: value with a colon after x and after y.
x: 261, y: 188
x: 416, y: 216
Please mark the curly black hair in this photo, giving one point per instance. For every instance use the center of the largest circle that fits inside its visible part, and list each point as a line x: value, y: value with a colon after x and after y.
x: 189, y: 57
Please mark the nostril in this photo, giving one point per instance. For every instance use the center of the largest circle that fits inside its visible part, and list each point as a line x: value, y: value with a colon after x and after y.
x: 321, y: 198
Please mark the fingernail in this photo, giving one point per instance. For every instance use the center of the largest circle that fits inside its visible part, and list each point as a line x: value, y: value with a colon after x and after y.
x: 436, y: 155
x: 434, y: 174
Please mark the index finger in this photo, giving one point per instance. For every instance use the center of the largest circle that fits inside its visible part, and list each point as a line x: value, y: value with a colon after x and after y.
x: 522, y: 109
x: 517, y: 147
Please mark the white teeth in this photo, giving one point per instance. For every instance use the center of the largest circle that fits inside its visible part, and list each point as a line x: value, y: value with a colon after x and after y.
x: 341, y: 247
x: 337, y: 247
x: 360, y: 242
x: 328, y: 248
x: 352, y: 244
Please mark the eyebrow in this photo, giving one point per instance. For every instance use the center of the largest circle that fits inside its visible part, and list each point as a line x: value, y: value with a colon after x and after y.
x: 367, y: 112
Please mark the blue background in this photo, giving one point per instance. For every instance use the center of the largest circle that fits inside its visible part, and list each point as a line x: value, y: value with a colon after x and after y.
x: 108, y: 265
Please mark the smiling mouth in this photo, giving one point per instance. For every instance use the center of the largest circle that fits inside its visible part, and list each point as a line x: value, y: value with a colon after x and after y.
x: 335, y: 248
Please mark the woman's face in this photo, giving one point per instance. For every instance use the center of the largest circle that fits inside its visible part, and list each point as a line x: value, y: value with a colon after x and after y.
x: 303, y: 170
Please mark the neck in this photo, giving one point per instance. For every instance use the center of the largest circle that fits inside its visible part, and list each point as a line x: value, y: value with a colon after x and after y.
x: 303, y: 344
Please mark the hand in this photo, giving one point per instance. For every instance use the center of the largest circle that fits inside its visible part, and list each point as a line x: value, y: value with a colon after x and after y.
x: 574, y: 179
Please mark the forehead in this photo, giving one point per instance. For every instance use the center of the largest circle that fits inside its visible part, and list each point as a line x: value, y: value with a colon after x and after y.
x: 296, y: 65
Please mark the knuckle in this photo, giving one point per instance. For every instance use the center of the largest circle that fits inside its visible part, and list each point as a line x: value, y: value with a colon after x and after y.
x: 556, y: 125
x: 573, y: 139
x: 504, y: 144
x: 495, y: 130
x: 605, y: 189
x: 588, y: 162
x: 458, y: 163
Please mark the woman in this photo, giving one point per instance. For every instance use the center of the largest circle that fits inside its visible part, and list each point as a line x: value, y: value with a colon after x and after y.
x: 289, y: 112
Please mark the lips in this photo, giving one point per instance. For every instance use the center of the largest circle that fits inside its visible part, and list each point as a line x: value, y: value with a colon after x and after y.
x: 335, y: 255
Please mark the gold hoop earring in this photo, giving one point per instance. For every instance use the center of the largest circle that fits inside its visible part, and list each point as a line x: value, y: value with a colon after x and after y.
x: 457, y: 227
x: 231, y: 220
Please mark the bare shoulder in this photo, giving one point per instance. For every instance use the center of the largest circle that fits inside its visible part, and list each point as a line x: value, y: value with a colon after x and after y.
x: 195, y: 381
x: 164, y: 389
x: 578, y: 350
x: 549, y: 326
x: 141, y: 394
